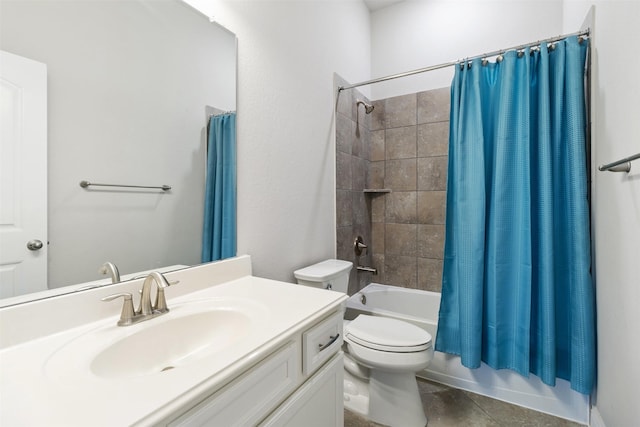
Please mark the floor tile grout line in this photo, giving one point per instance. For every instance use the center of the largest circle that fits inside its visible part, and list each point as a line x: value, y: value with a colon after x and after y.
x: 468, y: 395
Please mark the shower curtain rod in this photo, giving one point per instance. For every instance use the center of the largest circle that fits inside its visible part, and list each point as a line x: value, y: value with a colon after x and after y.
x: 452, y: 63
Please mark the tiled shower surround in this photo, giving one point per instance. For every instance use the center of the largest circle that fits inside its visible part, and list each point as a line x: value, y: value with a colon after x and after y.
x: 353, y: 216
x: 401, y: 146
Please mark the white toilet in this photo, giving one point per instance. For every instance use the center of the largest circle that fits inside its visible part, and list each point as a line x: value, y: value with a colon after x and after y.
x: 382, y: 356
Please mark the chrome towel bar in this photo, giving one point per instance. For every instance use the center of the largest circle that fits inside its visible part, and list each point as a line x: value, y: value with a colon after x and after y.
x: 85, y: 184
x: 622, y: 165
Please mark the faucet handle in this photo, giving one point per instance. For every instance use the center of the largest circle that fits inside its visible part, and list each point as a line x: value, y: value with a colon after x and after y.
x: 161, y: 301
x: 359, y: 246
x: 126, y: 316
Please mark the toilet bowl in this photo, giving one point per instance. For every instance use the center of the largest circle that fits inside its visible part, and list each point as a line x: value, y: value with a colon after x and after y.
x: 393, y: 351
x: 382, y: 356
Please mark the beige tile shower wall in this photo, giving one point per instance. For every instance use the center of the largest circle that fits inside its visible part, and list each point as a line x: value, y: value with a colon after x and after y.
x: 353, y: 150
x: 409, y: 146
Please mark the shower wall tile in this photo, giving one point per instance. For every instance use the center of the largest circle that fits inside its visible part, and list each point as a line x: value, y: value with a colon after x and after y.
x: 400, y: 175
x: 361, y: 145
x: 400, y: 143
x: 361, y: 211
x: 377, y: 238
x: 358, y: 173
x: 378, y: 207
x: 357, y: 140
x: 400, y: 239
x: 344, y: 104
x: 344, y: 242
x: 367, y: 118
x: 433, y: 139
x: 401, y: 207
x: 377, y: 145
x: 343, y: 171
x: 376, y: 175
x: 377, y: 261
x: 363, y: 278
x: 368, y: 144
x: 431, y: 241
x: 431, y: 207
x: 365, y: 140
x: 343, y: 133
x: 344, y: 208
x: 432, y: 173
x: 401, y: 270
x: 353, y: 207
x: 433, y: 105
x: 377, y: 116
x: 354, y: 286
x: 430, y: 274
x: 400, y: 111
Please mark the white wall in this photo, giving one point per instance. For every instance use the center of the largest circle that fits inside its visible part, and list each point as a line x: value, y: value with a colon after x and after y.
x: 128, y: 83
x: 287, y: 54
x: 616, y: 203
x: 417, y: 34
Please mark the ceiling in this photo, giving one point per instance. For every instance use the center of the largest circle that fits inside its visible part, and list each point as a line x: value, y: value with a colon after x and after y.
x: 379, y: 4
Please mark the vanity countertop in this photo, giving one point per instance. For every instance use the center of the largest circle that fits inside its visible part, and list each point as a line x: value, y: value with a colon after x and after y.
x: 37, y: 388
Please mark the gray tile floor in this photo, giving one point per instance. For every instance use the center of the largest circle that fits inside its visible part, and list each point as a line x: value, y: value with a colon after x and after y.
x: 450, y: 407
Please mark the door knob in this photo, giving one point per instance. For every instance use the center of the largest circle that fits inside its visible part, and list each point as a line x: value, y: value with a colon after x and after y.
x: 34, y: 245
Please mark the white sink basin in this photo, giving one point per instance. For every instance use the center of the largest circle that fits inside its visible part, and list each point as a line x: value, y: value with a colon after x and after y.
x: 185, y: 335
x: 172, y: 343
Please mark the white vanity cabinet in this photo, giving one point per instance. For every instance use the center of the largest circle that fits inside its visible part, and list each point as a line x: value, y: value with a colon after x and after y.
x: 299, y: 384
x: 244, y: 351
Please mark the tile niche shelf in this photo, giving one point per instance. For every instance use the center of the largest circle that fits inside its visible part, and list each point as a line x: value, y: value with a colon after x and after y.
x: 376, y: 191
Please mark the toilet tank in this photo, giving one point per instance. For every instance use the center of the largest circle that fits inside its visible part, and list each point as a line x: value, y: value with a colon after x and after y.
x: 330, y: 274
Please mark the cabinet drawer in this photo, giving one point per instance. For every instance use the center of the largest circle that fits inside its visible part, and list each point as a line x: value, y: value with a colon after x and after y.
x: 321, y: 342
x: 249, y: 398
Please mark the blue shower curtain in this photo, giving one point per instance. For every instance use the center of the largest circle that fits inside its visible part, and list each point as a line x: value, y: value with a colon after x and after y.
x: 516, y: 289
x: 219, y: 231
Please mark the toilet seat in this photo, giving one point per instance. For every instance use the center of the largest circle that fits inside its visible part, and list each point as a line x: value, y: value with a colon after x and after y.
x: 386, y: 334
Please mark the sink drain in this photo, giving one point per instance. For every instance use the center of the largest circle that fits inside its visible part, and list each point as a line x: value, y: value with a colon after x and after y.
x: 166, y: 368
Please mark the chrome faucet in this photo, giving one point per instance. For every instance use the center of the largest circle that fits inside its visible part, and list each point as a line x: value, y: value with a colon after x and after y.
x: 146, y: 310
x: 360, y: 249
x: 110, y: 268
x: 160, y: 306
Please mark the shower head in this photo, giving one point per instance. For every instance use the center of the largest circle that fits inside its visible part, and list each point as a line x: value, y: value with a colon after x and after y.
x: 368, y: 108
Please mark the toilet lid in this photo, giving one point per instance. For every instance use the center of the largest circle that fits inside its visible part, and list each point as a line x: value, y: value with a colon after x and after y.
x: 386, y: 334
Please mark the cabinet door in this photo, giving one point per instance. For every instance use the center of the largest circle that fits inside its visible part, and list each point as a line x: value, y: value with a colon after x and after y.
x: 248, y: 399
x: 318, y: 403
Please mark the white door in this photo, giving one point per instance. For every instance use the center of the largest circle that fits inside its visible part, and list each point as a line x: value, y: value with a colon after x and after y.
x: 23, y: 175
